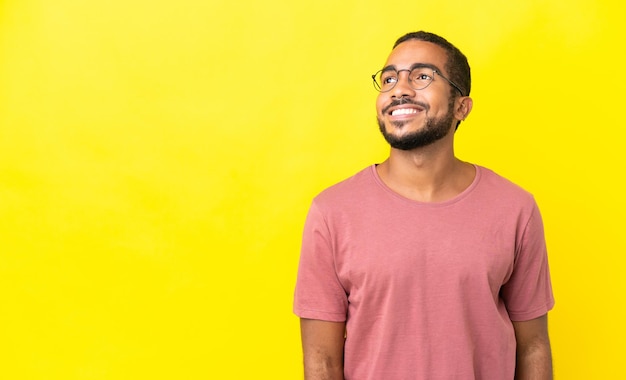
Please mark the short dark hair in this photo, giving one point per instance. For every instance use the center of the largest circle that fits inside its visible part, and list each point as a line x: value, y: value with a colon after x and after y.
x: 457, y: 66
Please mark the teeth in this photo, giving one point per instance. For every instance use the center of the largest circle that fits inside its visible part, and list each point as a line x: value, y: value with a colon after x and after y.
x: 403, y: 111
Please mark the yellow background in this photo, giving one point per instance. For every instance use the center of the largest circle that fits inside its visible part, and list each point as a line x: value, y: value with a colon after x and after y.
x: 157, y: 160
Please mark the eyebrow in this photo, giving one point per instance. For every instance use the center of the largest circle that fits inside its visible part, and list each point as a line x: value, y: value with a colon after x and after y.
x: 413, y: 66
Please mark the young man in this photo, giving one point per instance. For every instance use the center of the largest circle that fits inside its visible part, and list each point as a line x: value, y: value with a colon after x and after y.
x: 424, y: 266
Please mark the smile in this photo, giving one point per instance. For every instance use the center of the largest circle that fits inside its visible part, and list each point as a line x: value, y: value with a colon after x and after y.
x: 403, y: 111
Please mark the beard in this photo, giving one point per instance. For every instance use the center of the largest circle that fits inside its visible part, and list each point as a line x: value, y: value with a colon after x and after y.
x: 434, y: 129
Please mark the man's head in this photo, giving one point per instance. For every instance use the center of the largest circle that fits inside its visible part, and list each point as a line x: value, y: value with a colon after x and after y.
x: 457, y: 66
x: 424, y: 86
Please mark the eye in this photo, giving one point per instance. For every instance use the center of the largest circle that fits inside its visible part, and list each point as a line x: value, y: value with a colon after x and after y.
x: 422, y: 75
x: 389, y: 79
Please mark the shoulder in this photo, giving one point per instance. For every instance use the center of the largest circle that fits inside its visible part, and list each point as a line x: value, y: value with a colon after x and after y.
x: 498, y: 187
x: 503, y: 197
x: 347, y: 190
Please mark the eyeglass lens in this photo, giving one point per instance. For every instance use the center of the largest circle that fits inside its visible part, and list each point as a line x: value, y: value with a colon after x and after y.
x: 419, y: 78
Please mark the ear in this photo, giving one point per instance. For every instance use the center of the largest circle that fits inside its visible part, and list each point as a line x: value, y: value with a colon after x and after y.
x: 463, y: 106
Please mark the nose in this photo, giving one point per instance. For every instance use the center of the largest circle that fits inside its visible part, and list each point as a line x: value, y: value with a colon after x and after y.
x: 403, y: 87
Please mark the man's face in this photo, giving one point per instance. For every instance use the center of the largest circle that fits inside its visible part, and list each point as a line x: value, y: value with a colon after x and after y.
x: 410, y: 118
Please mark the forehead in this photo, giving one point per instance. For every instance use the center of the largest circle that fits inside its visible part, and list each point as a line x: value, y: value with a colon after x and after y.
x: 416, y: 51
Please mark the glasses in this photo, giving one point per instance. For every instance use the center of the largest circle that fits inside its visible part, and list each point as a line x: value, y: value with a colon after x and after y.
x: 419, y: 78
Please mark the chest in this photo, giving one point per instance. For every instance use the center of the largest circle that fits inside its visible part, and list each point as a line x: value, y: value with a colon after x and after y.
x: 426, y: 252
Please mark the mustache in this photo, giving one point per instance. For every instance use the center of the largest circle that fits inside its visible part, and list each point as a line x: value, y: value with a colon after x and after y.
x: 401, y: 101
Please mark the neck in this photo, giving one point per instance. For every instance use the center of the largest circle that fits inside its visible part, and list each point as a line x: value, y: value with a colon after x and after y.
x: 428, y: 174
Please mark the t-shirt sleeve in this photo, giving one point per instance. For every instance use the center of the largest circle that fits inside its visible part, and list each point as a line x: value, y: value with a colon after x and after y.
x: 319, y: 293
x: 528, y: 293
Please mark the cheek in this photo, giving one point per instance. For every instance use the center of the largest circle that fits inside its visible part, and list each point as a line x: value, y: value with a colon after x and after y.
x: 443, y: 107
x: 381, y: 101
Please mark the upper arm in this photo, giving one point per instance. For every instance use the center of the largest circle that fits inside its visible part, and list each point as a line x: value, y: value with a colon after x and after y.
x: 322, y: 346
x: 319, y: 293
x: 527, y: 293
x: 532, y: 332
x: 534, y: 357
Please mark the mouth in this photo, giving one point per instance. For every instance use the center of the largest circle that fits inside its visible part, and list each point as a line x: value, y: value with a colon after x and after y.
x: 405, y: 111
x: 404, y: 108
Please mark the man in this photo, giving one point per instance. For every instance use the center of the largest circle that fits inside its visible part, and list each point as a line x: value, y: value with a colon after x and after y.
x: 424, y: 266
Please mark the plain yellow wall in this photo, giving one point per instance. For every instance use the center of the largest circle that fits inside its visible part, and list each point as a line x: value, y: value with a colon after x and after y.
x: 157, y: 160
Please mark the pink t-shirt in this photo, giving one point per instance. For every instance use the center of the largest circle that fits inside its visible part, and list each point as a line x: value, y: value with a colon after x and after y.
x: 427, y: 290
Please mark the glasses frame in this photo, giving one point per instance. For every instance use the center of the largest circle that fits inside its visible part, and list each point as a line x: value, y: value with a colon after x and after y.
x: 435, y: 71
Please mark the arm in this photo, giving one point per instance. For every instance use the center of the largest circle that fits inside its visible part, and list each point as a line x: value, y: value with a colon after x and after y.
x: 322, y: 345
x: 534, y: 358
